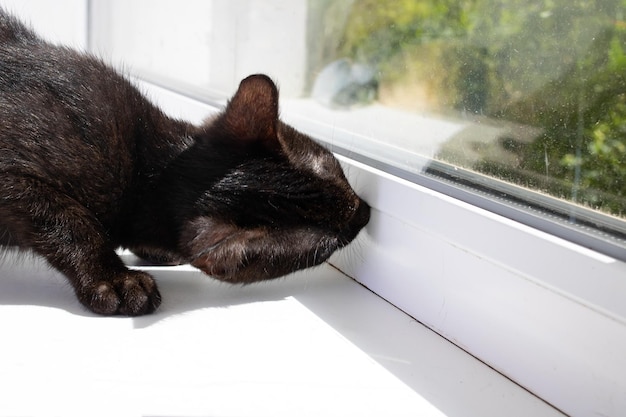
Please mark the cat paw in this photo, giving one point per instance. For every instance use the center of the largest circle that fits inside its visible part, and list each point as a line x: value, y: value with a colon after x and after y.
x: 131, y: 293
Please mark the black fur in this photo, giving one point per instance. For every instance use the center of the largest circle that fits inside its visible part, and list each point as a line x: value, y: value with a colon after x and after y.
x: 87, y: 165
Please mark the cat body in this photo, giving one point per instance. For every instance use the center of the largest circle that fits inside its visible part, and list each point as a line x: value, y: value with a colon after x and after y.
x: 88, y: 165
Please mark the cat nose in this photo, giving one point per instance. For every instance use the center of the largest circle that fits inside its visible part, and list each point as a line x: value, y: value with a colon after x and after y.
x: 358, y: 221
x: 361, y: 216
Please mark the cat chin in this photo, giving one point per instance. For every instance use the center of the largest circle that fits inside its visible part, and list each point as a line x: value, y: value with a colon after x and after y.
x: 244, y: 255
x: 242, y: 269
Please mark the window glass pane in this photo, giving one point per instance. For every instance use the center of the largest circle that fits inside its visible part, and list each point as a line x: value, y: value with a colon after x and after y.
x: 528, y: 92
x: 155, y: 38
x: 206, y: 46
x: 531, y: 92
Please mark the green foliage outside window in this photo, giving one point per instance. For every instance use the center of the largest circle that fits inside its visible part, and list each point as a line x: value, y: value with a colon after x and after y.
x: 558, y: 66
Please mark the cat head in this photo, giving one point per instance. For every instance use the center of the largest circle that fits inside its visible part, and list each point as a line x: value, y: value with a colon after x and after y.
x: 271, y: 201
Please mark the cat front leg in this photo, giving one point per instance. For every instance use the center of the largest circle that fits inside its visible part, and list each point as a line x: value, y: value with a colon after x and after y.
x: 71, y: 239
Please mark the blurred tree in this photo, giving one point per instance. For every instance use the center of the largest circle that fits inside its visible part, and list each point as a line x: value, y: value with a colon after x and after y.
x: 558, y: 65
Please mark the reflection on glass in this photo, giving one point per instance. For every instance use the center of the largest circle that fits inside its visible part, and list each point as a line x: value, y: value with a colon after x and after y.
x: 538, y: 88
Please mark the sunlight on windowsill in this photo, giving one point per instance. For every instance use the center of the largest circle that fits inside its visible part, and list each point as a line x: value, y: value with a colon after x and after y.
x: 314, y: 344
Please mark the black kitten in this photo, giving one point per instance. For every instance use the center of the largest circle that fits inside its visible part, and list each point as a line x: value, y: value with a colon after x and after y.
x: 87, y: 165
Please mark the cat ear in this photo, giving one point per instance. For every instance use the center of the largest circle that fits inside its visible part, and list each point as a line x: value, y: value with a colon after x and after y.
x: 252, y: 113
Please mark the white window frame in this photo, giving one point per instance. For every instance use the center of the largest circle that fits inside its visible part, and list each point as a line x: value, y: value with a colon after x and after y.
x: 519, y: 299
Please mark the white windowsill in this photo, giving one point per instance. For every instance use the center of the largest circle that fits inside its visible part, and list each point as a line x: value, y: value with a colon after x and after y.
x: 313, y: 344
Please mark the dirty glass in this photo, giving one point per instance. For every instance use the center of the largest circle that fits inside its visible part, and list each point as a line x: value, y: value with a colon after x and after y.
x: 539, y: 86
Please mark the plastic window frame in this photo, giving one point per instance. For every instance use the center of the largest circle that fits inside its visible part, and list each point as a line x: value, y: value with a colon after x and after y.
x: 516, y: 297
